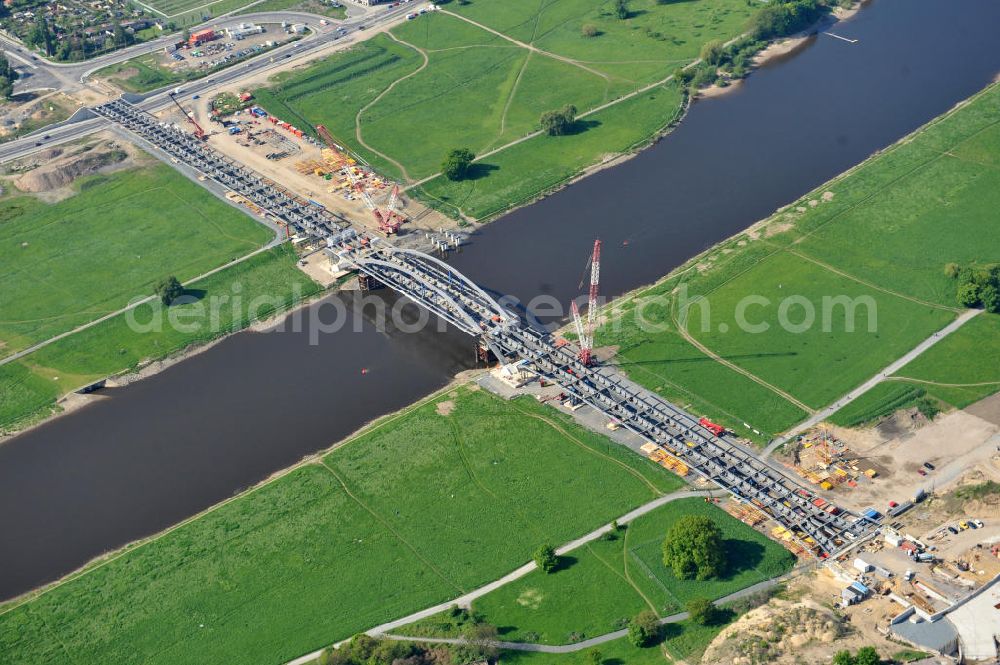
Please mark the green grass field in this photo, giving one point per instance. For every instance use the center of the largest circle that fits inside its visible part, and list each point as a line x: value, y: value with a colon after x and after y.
x: 883, y: 232
x: 956, y: 371
x: 265, y: 283
x: 67, y: 263
x: 412, y: 512
x: 366, y: 89
x: 606, y: 582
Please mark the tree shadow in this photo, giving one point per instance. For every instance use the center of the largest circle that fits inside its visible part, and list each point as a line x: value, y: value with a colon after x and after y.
x: 612, y: 661
x: 581, y: 126
x: 741, y: 555
x: 721, y: 616
x: 480, y: 170
x: 189, y: 296
x: 506, y: 630
x: 564, y: 562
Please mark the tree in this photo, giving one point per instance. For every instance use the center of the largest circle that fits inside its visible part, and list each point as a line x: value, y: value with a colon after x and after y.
x: 701, y: 611
x: 867, y: 656
x: 712, y: 52
x: 546, y: 559
x: 990, y: 297
x: 456, y: 164
x: 951, y: 270
x: 693, y: 548
x: 169, y: 289
x: 589, y: 30
x: 40, y: 35
x: 559, y: 123
x: 595, y: 657
x: 843, y: 658
x: 968, y: 294
x: 621, y: 9
x: 643, y: 629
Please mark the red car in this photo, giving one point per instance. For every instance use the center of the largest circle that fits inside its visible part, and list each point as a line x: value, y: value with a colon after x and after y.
x: 893, y: 504
x: 921, y: 472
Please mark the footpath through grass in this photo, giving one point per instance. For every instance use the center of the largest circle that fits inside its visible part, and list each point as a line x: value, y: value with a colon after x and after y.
x: 586, y: 56
x: 64, y: 264
x: 255, y: 288
x: 423, y: 506
x: 820, y: 297
x: 600, y: 586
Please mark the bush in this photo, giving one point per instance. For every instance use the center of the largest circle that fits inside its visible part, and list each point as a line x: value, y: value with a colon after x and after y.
x: 589, y: 30
x: 712, y: 52
x: 701, y: 611
x: 951, y: 270
x: 621, y: 9
x: 643, y: 629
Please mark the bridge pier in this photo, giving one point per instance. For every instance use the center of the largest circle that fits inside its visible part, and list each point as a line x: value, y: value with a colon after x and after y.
x: 368, y: 283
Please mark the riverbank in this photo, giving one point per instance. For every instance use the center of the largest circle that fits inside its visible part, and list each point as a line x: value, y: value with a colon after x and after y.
x: 269, y: 284
x: 331, y: 527
x: 744, y: 382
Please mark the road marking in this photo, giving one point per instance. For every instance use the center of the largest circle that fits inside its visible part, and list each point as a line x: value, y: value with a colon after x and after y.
x: 835, y: 36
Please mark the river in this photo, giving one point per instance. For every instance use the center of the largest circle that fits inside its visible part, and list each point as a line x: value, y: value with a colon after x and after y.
x: 148, y: 455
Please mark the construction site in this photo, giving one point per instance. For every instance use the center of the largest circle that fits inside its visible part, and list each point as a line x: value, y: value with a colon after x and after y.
x: 309, y: 160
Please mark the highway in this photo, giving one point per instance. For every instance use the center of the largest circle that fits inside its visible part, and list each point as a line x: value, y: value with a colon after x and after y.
x: 68, y: 75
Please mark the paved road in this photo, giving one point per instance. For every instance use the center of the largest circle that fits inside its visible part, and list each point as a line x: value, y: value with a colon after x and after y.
x: 84, y: 122
x: 466, y: 599
x: 820, y: 416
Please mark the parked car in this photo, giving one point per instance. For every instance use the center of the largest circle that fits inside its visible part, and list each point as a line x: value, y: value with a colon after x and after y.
x: 978, y: 523
x: 952, y: 529
x: 928, y: 466
x: 963, y: 525
x: 893, y: 504
x: 921, y: 472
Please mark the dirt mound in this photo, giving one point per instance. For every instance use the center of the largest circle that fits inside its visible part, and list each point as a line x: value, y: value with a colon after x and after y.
x: 780, y: 632
x: 58, y: 173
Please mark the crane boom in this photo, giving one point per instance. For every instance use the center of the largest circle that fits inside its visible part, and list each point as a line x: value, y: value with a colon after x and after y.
x: 595, y: 279
x: 584, y: 342
x: 198, y: 131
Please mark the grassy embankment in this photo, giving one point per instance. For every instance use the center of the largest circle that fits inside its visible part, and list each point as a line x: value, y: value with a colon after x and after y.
x: 422, y: 506
x: 599, y: 587
x: 310, y: 6
x: 46, y: 112
x: 884, y: 231
x: 509, y: 86
x: 68, y: 263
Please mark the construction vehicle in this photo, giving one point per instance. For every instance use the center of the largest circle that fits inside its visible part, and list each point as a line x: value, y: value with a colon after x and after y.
x: 198, y: 131
x: 714, y: 428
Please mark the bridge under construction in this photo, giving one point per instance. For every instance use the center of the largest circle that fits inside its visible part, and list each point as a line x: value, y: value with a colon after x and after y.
x: 433, y: 284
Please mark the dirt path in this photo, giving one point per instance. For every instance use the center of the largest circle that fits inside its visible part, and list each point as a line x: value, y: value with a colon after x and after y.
x: 736, y: 368
x: 357, y: 118
x: 530, y: 47
x: 871, y: 285
x: 942, y: 385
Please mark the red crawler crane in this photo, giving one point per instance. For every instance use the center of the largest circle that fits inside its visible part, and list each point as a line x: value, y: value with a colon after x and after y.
x: 586, y: 332
x: 198, y: 131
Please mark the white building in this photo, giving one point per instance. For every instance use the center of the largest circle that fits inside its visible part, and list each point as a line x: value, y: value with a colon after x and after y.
x: 245, y: 30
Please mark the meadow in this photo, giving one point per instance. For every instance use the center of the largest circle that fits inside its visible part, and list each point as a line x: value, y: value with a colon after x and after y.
x: 822, y: 246
x: 605, y: 583
x: 955, y: 372
x: 64, y: 264
x: 265, y: 283
x: 525, y: 59
x: 420, y: 507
